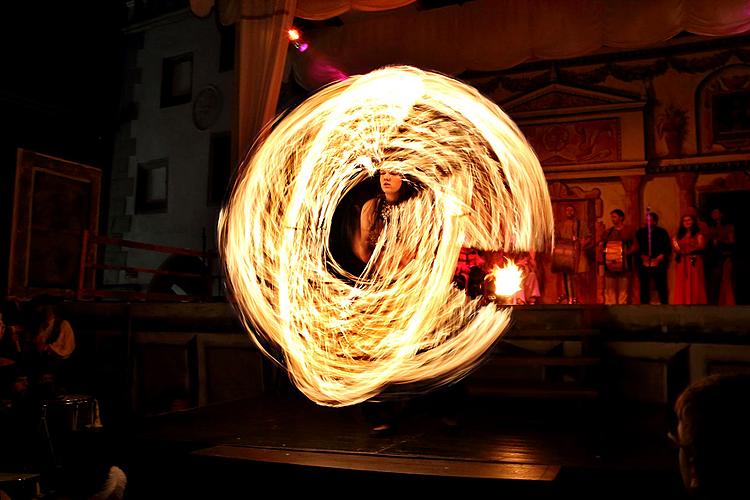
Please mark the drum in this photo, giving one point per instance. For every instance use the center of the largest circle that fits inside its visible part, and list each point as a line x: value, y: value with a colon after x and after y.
x: 565, y: 256
x: 71, y: 413
x: 614, y: 256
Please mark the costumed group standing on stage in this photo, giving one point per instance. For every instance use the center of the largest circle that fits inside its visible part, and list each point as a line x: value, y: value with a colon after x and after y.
x: 590, y: 263
x: 621, y: 265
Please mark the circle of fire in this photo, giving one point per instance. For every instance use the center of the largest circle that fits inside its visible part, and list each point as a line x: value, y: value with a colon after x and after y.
x: 345, y: 338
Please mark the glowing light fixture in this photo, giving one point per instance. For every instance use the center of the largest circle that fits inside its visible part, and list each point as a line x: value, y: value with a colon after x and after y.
x: 293, y: 34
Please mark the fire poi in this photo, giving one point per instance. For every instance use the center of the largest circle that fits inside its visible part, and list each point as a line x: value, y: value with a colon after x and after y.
x: 345, y: 338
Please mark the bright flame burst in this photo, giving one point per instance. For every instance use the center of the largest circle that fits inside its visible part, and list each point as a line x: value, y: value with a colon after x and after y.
x: 345, y: 338
x: 507, y: 279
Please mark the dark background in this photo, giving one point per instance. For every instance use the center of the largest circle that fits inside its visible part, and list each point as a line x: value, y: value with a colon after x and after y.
x: 59, y: 91
x: 63, y: 66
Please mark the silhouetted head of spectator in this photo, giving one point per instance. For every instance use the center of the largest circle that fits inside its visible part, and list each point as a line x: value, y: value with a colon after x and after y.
x: 14, y: 380
x: 459, y: 281
x: 713, y: 434
x: 476, y: 278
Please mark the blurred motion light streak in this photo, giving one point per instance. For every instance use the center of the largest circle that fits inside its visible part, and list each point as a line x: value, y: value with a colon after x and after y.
x: 345, y: 338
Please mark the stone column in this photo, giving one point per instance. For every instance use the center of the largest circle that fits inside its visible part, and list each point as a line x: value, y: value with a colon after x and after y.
x: 632, y: 208
x: 633, y: 218
x: 686, y: 182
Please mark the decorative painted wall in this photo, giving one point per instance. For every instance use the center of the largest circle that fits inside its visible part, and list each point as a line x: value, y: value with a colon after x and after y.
x: 651, y: 128
x: 663, y: 129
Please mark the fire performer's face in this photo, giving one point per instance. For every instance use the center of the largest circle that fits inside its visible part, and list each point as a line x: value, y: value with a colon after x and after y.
x: 390, y: 182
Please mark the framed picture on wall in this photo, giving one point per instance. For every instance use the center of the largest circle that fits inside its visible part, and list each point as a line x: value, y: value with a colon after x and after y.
x: 731, y: 115
x: 723, y: 110
x: 54, y: 201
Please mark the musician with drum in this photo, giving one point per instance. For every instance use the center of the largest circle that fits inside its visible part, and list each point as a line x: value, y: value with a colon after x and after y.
x: 569, y: 257
x: 617, y: 247
x: 654, y: 246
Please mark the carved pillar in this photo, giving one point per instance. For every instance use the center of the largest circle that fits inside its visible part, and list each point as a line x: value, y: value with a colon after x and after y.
x: 686, y: 182
x: 632, y: 208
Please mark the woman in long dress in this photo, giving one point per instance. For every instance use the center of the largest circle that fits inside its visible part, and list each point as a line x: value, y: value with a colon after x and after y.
x: 689, y: 243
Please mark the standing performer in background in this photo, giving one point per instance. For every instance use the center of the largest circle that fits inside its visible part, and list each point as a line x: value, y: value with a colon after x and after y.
x: 719, y: 255
x: 690, y: 284
x: 617, y: 247
x: 569, y: 256
x: 654, y: 247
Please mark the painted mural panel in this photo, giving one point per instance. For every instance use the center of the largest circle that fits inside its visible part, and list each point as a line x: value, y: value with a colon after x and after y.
x: 565, y: 143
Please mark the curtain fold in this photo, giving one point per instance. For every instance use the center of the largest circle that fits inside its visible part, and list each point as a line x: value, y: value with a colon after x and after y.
x: 314, y: 10
x: 477, y: 35
x: 720, y: 17
x: 317, y: 10
x: 260, y: 56
x: 634, y: 24
x: 496, y: 34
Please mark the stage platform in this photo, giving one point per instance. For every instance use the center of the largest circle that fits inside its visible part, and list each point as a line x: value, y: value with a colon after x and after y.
x: 527, y: 449
x: 575, y: 400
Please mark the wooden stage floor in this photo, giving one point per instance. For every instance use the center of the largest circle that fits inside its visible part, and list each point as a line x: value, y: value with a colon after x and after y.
x: 525, y: 448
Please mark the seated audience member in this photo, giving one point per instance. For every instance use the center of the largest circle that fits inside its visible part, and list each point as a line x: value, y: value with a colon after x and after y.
x: 54, y: 335
x: 88, y: 470
x: 53, y: 343
x: 713, y: 435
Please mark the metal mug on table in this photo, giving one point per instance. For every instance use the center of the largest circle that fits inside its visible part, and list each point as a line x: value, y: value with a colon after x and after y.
x: 71, y: 413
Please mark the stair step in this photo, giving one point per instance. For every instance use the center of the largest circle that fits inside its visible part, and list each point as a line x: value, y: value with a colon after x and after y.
x: 550, y: 334
x: 545, y: 391
x: 544, y: 360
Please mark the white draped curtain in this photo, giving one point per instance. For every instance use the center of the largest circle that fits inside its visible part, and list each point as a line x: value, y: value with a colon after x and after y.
x: 478, y: 35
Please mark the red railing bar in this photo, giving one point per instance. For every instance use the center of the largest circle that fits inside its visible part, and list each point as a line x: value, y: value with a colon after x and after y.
x: 106, y: 240
x: 143, y: 295
x: 112, y: 267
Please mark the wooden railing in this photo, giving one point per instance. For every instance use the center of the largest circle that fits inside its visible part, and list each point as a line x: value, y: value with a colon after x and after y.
x: 87, y: 289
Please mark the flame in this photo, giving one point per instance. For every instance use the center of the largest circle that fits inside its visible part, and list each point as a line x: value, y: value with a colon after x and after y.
x: 293, y: 34
x: 507, y: 279
x: 345, y: 338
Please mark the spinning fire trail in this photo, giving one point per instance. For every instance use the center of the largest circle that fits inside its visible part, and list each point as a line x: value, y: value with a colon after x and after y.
x: 479, y: 185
